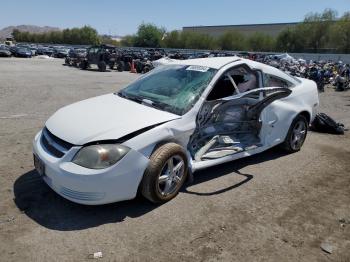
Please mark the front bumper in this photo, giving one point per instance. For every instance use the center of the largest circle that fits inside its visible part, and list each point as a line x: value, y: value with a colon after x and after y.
x: 91, y: 186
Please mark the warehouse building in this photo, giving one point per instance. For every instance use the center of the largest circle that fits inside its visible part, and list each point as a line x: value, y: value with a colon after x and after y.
x: 215, y: 31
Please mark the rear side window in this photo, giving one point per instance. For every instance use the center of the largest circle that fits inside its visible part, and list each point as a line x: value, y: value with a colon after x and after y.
x: 93, y: 50
x: 274, y: 81
x: 244, y: 78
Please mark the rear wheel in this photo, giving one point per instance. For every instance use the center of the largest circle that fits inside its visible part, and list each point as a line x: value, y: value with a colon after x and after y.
x: 165, y: 173
x: 139, y: 67
x: 127, y: 66
x: 296, y: 134
x: 102, y: 66
x: 84, y: 65
x: 146, y: 69
x: 120, y: 66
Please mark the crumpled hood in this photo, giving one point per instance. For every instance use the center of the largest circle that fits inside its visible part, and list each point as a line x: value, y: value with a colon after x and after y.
x: 103, y: 118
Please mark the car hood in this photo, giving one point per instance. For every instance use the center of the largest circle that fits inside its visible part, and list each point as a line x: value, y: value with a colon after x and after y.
x: 103, y: 118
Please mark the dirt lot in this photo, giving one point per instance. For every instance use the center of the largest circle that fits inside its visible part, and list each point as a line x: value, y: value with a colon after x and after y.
x: 270, y: 207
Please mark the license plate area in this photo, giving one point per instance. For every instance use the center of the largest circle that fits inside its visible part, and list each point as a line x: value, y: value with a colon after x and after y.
x: 39, y: 165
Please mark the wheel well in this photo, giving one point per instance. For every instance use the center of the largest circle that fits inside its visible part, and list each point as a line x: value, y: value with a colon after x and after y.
x: 306, y: 115
x: 163, y: 142
x: 172, y: 140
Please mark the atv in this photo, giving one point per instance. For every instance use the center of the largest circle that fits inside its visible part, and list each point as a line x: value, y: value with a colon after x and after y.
x: 98, y: 55
x: 75, y: 56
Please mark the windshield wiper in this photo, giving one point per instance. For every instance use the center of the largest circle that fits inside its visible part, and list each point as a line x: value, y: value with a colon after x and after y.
x: 132, y: 98
x: 155, y: 104
x: 147, y: 102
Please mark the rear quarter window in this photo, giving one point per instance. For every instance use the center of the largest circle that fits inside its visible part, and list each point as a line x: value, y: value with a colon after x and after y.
x: 275, y: 81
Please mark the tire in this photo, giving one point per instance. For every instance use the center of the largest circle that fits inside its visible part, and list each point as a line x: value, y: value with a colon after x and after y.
x: 102, y: 66
x: 139, y: 67
x: 127, y: 66
x: 295, y: 139
x: 146, y: 69
x: 83, y: 65
x: 120, y: 66
x: 158, y: 185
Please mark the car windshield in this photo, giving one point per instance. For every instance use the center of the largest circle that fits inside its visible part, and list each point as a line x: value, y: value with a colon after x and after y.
x: 172, y: 88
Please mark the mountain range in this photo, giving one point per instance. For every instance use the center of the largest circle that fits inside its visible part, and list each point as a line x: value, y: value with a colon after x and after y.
x: 7, y: 31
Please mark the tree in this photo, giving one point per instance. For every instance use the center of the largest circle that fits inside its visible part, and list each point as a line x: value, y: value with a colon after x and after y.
x: 316, y: 29
x: 88, y: 35
x: 261, y: 42
x: 232, y: 40
x: 128, y: 40
x: 85, y: 35
x: 289, y: 41
x: 341, y: 33
x: 173, y: 40
x: 16, y: 34
x: 149, y: 35
x: 105, y: 39
x: 192, y: 40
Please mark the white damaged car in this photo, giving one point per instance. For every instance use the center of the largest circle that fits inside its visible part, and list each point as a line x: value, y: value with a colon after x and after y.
x: 179, y: 118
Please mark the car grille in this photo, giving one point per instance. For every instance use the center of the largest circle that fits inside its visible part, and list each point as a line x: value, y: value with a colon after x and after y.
x: 54, y: 145
x: 82, y: 196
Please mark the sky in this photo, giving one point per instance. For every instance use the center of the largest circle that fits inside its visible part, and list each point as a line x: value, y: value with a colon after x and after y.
x: 123, y: 17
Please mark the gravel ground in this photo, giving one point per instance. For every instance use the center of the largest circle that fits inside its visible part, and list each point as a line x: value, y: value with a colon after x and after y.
x: 269, y: 207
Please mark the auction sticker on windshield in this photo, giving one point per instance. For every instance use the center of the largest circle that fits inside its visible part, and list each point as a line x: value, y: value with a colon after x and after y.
x: 198, y: 68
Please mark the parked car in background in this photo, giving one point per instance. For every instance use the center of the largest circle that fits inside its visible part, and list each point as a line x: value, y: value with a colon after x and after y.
x: 60, y: 52
x: 33, y: 50
x: 13, y: 49
x: 180, y: 117
x: 44, y: 51
x: 40, y: 51
x: 23, y: 52
x: 5, y: 51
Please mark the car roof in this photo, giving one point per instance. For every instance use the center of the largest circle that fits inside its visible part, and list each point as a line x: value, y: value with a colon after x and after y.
x: 219, y: 62
x: 267, y: 69
x: 212, y: 62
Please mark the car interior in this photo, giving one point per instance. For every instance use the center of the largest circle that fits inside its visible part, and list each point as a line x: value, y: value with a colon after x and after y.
x: 237, y: 80
x: 229, y: 126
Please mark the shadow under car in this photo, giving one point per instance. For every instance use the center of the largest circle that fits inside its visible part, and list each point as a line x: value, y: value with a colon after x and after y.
x: 39, y: 202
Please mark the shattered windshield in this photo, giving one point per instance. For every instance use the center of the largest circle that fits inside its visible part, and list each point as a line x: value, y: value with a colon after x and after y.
x: 172, y: 88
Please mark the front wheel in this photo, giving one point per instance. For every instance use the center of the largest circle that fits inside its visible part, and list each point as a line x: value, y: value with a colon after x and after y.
x: 102, y: 66
x: 84, y: 65
x: 296, y: 134
x: 165, y: 174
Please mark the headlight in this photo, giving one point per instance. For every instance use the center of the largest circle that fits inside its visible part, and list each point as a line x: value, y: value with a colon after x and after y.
x: 100, y: 156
